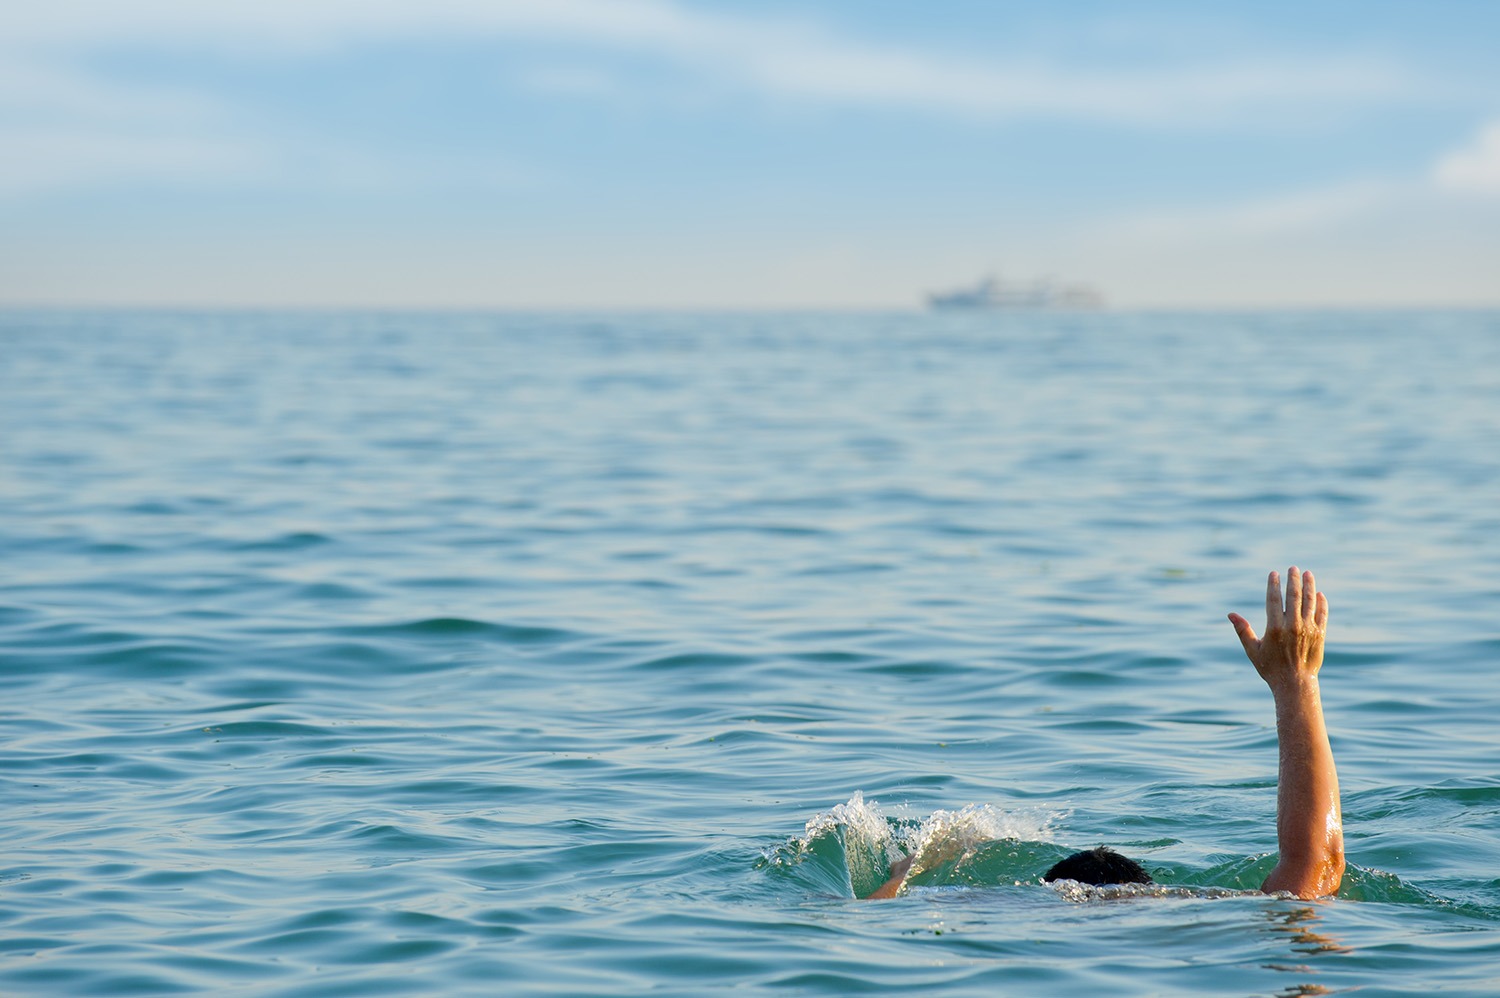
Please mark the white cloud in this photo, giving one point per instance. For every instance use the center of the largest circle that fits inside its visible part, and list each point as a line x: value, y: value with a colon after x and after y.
x: 42, y: 158
x: 67, y: 121
x: 63, y: 127
x: 1414, y: 240
x: 1474, y: 169
x: 778, y: 56
x: 571, y: 80
x: 1198, y: 93
x: 1276, y: 215
x: 30, y: 87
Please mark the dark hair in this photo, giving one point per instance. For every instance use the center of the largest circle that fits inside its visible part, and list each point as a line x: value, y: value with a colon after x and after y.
x: 1099, y: 866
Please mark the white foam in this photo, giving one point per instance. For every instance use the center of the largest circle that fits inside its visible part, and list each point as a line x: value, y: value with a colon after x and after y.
x: 952, y: 837
x: 856, y: 815
x: 1072, y: 890
x: 871, y: 841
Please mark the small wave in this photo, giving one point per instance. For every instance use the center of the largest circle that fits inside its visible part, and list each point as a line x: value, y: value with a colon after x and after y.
x: 849, y: 848
x: 952, y: 837
x: 848, y: 851
x: 845, y: 568
x: 11, y: 615
x: 294, y: 541
x: 1377, y: 885
x: 1242, y: 878
x: 329, y: 591
x: 691, y: 660
x: 52, y: 646
x: 917, y: 668
x: 464, y: 627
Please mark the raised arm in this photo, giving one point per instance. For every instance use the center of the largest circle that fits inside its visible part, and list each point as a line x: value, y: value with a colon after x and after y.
x: 1309, y: 825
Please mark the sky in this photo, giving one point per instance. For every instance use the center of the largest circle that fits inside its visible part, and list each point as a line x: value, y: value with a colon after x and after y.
x: 595, y: 154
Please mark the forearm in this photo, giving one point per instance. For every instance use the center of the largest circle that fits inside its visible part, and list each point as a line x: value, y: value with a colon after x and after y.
x: 1309, y: 825
x: 887, y: 889
x: 891, y: 887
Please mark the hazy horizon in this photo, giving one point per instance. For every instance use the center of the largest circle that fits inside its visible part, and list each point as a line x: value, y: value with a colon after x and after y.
x: 669, y: 155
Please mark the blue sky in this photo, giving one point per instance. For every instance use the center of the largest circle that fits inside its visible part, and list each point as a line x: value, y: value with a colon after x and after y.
x: 702, y: 153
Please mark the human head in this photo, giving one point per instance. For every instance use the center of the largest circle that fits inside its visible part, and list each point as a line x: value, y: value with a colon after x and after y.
x: 1098, y: 866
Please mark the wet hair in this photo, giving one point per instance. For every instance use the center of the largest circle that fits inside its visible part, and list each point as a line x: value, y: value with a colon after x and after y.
x: 1098, y: 866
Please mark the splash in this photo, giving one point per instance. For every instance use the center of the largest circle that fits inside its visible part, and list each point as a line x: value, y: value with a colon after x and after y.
x: 856, y: 816
x: 851, y: 846
x: 953, y: 839
x: 865, y: 837
x: 1072, y: 890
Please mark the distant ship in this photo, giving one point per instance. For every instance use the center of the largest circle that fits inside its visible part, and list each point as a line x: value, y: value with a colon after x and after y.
x: 992, y: 292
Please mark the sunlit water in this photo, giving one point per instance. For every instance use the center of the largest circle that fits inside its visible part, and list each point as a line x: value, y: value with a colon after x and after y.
x: 421, y: 654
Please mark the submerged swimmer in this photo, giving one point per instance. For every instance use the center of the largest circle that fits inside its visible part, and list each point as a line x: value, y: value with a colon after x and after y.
x: 1309, y: 824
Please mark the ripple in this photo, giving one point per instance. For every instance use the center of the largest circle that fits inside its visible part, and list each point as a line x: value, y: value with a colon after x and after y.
x: 297, y: 540
x: 414, y: 654
x: 691, y: 661
x: 444, y: 627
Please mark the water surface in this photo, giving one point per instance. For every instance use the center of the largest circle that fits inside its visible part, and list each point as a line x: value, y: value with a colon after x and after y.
x: 408, y: 654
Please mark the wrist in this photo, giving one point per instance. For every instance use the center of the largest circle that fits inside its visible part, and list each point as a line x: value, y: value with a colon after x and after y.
x: 1294, y: 687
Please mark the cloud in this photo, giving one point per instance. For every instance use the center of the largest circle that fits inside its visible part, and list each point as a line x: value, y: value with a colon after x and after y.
x: 814, y: 67
x: 63, y: 127
x: 1271, y: 216
x: 1474, y: 169
x: 571, y: 80
x: 79, y: 119
x: 30, y: 87
x: 44, y: 158
x: 776, y: 56
x: 1452, y: 178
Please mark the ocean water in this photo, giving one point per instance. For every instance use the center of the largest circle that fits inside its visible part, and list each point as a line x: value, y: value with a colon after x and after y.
x: 426, y: 654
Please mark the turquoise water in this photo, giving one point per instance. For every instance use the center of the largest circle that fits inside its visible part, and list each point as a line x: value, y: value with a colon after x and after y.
x: 540, y: 654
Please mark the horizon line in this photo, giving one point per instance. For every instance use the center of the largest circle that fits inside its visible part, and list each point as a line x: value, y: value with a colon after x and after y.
x: 558, y: 309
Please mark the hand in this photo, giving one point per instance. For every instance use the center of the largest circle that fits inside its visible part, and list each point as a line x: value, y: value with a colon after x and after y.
x: 897, y: 879
x: 1292, y: 650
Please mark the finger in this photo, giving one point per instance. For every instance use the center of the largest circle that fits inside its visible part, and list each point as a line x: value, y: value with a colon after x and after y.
x: 1274, y: 612
x: 1293, y: 597
x: 1321, y: 616
x: 1309, y: 596
x: 1246, y: 634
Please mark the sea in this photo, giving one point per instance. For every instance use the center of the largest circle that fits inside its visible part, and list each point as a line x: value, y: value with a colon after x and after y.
x: 487, y: 653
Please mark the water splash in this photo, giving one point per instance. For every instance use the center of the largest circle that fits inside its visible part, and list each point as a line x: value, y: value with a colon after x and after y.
x: 855, y: 838
x: 954, y: 838
x: 850, y: 847
x: 1072, y: 890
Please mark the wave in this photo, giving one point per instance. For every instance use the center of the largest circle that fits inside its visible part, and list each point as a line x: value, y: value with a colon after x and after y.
x: 463, y: 627
x: 848, y: 851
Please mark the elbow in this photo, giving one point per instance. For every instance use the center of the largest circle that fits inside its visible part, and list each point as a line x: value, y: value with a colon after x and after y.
x: 1332, y: 867
x: 1309, y: 880
x: 1334, y: 873
x: 1323, y: 872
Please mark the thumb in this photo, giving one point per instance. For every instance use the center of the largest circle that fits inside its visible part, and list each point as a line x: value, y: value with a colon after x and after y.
x: 1246, y: 634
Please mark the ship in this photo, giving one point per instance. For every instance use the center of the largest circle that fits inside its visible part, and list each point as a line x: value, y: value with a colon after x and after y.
x: 992, y: 292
